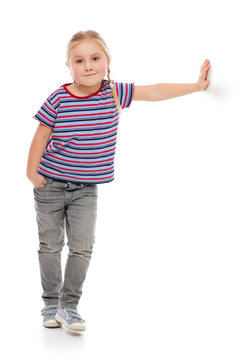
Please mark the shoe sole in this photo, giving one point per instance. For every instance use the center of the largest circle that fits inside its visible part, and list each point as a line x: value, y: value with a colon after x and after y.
x: 59, y: 319
x: 52, y: 325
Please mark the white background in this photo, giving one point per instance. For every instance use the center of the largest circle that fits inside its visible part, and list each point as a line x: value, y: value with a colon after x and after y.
x: 163, y: 282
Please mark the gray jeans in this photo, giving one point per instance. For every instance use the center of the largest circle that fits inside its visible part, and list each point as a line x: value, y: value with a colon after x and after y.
x: 59, y: 206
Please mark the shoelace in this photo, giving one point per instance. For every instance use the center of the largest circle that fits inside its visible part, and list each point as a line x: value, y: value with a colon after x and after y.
x: 49, y: 312
x: 73, y: 314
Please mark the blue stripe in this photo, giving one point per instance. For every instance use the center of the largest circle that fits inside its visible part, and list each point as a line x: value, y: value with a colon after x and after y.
x: 82, y: 166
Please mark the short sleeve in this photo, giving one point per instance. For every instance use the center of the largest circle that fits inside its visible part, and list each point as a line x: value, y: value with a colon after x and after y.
x: 47, y: 114
x: 125, y: 92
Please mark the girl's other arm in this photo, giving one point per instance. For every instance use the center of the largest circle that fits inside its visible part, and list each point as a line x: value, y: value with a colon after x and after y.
x: 36, y: 151
x: 159, y: 92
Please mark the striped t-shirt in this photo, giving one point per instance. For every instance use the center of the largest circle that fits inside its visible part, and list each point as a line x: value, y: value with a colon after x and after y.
x: 82, y: 145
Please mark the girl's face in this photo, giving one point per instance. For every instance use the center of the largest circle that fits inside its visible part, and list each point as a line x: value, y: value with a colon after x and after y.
x: 88, y: 63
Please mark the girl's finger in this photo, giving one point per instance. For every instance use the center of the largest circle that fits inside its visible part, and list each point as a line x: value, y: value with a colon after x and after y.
x: 205, y: 66
x: 205, y: 70
x: 206, y: 62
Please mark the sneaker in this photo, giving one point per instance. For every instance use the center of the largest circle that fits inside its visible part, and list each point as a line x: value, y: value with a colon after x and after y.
x: 48, y: 313
x: 70, y: 318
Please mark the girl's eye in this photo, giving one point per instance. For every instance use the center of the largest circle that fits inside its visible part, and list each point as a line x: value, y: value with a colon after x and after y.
x: 95, y: 58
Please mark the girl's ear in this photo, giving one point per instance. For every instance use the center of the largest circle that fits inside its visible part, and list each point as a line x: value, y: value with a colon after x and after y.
x: 66, y: 64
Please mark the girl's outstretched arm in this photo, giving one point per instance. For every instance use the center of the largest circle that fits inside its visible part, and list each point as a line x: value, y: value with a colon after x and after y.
x: 159, y: 92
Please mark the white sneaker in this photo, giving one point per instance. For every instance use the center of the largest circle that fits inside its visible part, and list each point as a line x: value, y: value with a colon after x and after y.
x: 48, y: 313
x: 70, y: 318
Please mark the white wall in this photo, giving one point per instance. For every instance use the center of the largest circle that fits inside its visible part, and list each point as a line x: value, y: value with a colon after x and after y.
x: 163, y: 282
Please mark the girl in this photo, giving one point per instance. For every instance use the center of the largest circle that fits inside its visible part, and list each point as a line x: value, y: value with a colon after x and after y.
x: 71, y: 153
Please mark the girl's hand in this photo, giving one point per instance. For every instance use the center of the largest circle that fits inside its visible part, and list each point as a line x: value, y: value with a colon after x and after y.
x: 38, y: 180
x: 202, y: 81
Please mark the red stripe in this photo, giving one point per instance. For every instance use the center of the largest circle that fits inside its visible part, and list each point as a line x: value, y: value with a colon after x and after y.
x: 80, y: 162
x: 39, y: 112
x: 83, y: 115
x: 50, y: 108
x: 95, y: 124
x: 95, y: 134
x: 89, y: 144
x: 73, y: 177
x: 50, y: 146
x: 94, y: 153
x: 86, y: 105
x: 58, y: 167
x: 126, y: 96
x: 117, y: 89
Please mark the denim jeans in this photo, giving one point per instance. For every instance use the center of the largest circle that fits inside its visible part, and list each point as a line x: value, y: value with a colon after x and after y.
x: 63, y: 205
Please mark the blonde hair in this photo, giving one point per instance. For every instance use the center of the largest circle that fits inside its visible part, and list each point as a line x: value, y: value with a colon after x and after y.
x: 96, y: 37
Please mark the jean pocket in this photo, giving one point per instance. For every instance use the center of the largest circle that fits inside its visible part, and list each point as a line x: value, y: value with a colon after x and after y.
x: 48, y: 180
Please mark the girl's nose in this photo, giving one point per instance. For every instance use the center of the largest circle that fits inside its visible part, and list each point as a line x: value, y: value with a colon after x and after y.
x: 88, y: 65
